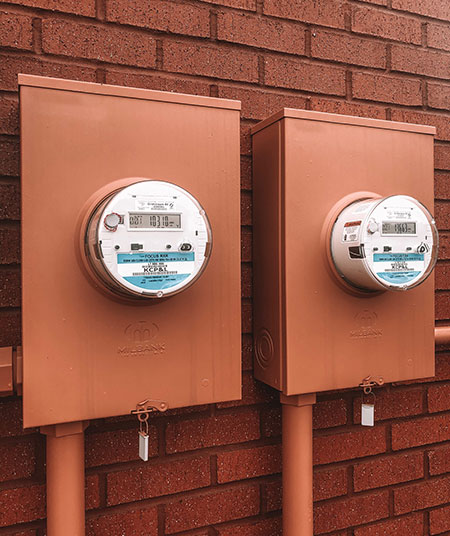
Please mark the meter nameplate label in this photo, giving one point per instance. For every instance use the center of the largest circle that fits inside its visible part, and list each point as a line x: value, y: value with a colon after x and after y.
x: 152, y: 203
x: 351, y: 231
x: 157, y: 270
x: 398, y: 268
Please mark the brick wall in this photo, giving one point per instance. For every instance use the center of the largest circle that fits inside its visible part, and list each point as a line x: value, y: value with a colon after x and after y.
x: 215, y: 470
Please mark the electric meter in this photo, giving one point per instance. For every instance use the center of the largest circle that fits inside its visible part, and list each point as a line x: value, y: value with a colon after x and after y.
x: 150, y: 239
x: 388, y: 243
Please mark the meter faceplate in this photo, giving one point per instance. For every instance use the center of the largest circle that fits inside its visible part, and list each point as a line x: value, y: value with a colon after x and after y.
x: 385, y: 244
x: 150, y: 239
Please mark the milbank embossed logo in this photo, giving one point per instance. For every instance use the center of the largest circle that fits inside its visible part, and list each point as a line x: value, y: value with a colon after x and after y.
x: 141, y: 340
x: 367, y: 326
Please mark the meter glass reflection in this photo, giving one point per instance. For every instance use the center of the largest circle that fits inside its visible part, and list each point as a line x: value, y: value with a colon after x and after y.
x: 398, y: 228
x: 154, y: 221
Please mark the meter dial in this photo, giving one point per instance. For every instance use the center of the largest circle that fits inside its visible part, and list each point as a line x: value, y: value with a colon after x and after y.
x: 149, y: 239
x: 389, y: 243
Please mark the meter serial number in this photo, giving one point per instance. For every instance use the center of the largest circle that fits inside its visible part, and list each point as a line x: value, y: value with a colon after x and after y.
x: 401, y: 228
x: 154, y: 221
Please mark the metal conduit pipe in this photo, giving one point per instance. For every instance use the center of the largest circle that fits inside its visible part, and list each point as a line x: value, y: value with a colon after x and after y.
x: 297, y: 465
x: 65, y: 479
x: 442, y: 334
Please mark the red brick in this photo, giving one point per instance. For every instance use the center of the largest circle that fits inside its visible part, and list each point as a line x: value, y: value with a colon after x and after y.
x: 420, y: 61
x: 440, y: 520
x: 21, y: 505
x: 199, y: 511
x: 442, y: 367
x: 408, y: 525
x: 9, y: 158
x: 329, y: 13
x: 260, y: 32
x: 349, y: 445
x: 9, y: 116
x: 439, y: 95
x: 383, y: 24
x: 271, y: 422
x: 442, y: 157
x: 330, y: 483
x: 439, y: 460
x: 116, y: 446
x: 253, y: 392
x: 11, y: 421
x: 247, y: 352
x: 17, y: 460
x: 136, y: 522
x: 211, y: 61
x: 296, y: 74
x: 259, y: 104
x: 420, y: 432
x: 347, y: 108
x: 162, y: 15
x: 444, y: 246
x: 155, y: 81
x: 10, y: 66
x: 101, y: 43
x: 16, y: 31
x: 438, y: 398
x: 246, y: 280
x: 246, y: 208
x: 348, y: 49
x: 10, y: 287
x: 273, y: 495
x: 388, y: 471
x: 422, y: 495
x: 92, y: 492
x: 246, y: 150
x: 442, y: 276
x: 247, y: 318
x: 442, y: 306
x: 10, y: 245
x: 441, y: 122
x: 212, y: 431
x: 429, y: 8
x: 383, y: 88
x: 329, y: 413
x: 250, y: 5
x: 438, y: 36
x: 246, y: 245
x: 85, y: 7
x: 266, y: 527
x: 10, y: 326
x: 344, y: 513
x: 157, y: 479
x: 248, y: 463
x: 442, y: 185
x: 441, y: 214
x: 392, y: 404
x: 246, y: 173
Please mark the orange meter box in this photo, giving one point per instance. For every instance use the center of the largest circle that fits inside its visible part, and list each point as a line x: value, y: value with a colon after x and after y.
x: 342, y: 294
x: 131, y: 249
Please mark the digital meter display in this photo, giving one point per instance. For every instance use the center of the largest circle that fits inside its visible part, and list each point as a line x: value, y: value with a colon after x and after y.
x: 154, y: 221
x: 398, y: 228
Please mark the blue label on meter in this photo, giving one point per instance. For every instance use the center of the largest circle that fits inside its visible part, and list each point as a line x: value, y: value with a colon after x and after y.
x: 157, y: 270
x: 396, y: 257
x: 398, y: 277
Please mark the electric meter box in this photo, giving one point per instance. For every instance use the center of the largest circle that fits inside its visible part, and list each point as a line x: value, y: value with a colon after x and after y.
x: 343, y: 247
x: 130, y: 250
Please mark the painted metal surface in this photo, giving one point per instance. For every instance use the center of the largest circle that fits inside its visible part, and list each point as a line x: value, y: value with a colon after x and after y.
x: 86, y: 354
x: 311, y: 333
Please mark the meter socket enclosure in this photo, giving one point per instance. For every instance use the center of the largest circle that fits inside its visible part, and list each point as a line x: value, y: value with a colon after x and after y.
x: 130, y: 249
x: 344, y: 243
